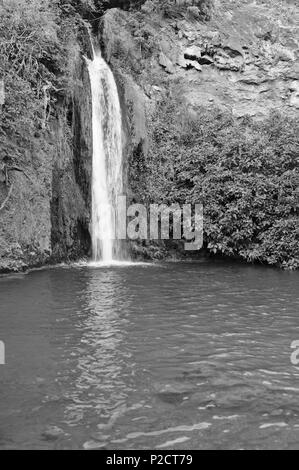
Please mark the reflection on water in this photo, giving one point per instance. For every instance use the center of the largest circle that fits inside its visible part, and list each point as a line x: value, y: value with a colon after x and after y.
x: 177, y: 355
x: 99, y: 386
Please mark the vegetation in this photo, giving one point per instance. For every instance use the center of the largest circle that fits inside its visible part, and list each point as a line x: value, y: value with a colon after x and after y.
x: 245, y: 173
x: 37, y: 47
x: 38, y: 44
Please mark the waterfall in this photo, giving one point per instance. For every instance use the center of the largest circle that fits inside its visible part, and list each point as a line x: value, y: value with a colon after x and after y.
x: 107, y: 179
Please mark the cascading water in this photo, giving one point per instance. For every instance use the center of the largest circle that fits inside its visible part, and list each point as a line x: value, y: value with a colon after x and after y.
x: 107, y: 178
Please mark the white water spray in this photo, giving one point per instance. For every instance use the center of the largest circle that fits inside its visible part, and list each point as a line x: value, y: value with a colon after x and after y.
x: 107, y: 180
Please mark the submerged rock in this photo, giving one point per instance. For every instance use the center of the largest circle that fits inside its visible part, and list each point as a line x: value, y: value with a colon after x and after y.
x: 53, y: 433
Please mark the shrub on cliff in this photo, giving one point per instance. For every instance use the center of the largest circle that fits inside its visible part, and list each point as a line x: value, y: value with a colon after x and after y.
x: 27, y: 35
x: 245, y: 173
x: 36, y: 42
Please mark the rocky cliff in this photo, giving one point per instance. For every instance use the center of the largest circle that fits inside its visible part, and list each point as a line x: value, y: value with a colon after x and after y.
x: 45, y: 211
x: 239, y: 56
x: 45, y: 165
x: 181, y: 63
x: 243, y: 59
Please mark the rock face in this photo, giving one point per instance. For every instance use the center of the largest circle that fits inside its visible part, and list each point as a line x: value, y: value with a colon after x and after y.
x: 45, y: 214
x: 245, y: 59
x: 71, y: 174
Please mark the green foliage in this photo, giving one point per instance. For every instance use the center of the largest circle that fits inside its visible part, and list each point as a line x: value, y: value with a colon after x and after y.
x: 143, y: 34
x: 27, y: 33
x: 37, y: 46
x: 245, y: 173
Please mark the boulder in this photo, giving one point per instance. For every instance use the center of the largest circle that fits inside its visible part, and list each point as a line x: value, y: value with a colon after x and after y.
x: 187, y: 63
x: 166, y: 63
x: 193, y: 64
x: 193, y: 53
x: 233, y: 48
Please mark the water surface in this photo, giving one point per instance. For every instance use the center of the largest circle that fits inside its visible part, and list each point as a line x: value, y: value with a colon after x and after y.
x: 176, y: 355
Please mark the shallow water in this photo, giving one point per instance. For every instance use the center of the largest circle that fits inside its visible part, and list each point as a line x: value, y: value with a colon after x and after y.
x: 175, y: 355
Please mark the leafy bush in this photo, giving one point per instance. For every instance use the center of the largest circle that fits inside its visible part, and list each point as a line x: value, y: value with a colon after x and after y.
x: 27, y: 34
x: 245, y: 173
x: 37, y: 43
